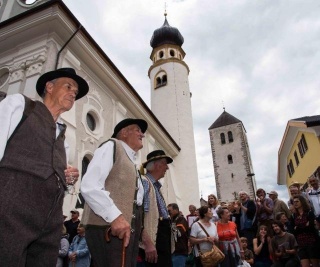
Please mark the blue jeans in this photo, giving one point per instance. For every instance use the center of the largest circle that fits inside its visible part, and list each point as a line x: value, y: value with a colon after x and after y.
x: 179, y: 260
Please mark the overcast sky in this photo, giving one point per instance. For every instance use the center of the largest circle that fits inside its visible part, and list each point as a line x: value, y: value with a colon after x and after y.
x: 259, y: 57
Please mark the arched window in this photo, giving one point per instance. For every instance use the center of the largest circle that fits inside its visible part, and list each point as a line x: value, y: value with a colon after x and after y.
x: 230, y: 137
x: 223, y: 138
x: 161, y: 54
x: 158, y: 81
x: 172, y: 53
x: 164, y: 79
x: 230, y: 160
x: 85, y: 163
x: 161, y: 79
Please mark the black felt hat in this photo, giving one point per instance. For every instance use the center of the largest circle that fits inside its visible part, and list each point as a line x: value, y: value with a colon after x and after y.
x: 83, y: 86
x: 155, y: 155
x: 126, y: 122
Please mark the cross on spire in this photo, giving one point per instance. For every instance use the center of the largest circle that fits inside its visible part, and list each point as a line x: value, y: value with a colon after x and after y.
x: 165, y: 9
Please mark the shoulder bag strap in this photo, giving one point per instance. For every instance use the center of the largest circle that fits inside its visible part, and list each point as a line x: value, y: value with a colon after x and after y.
x: 204, y: 230
x: 205, y: 233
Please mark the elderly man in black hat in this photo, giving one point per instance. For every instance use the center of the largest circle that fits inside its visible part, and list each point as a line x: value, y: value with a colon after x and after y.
x: 156, y: 237
x: 113, y: 191
x: 33, y: 169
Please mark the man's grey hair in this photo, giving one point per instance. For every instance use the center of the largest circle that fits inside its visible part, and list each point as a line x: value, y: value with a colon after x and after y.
x: 45, y: 88
x: 150, y: 166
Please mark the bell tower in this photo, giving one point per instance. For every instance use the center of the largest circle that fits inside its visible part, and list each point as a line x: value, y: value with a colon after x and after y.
x: 231, y: 158
x: 171, y: 103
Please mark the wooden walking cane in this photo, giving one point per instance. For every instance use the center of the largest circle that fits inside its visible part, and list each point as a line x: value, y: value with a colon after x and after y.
x: 123, y: 254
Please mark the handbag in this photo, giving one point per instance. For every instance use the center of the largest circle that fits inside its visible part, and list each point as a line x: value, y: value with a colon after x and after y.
x: 210, y: 258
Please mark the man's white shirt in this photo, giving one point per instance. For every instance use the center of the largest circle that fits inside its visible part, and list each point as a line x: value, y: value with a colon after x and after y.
x: 92, y: 185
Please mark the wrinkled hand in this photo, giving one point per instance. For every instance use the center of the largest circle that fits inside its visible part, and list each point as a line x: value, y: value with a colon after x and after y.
x: 150, y: 250
x: 73, y: 256
x: 72, y: 175
x: 151, y: 253
x: 121, y: 228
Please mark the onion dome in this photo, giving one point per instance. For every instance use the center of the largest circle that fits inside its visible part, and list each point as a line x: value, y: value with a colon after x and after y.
x: 166, y: 35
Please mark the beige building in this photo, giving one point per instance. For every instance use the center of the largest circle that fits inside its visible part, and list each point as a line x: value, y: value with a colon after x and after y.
x: 231, y: 158
x: 39, y: 37
x: 298, y: 156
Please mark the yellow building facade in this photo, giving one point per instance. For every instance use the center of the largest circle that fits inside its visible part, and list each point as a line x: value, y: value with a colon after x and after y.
x: 299, y: 152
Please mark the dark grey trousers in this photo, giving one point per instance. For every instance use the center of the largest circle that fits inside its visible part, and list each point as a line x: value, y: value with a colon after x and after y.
x: 30, y: 219
x: 108, y: 254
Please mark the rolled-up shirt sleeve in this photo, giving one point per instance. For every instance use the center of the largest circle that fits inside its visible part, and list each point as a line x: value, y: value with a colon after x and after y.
x: 92, y: 185
x: 11, y: 111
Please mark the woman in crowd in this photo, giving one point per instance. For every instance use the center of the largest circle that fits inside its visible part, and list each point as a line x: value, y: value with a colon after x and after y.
x: 214, y: 205
x: 305, y: 232
x: 63, y: 249
x: 229, y: 241
x: 79, y: 255
x: 198, y: 237
x: 282, y: 217
x: 262, y: 248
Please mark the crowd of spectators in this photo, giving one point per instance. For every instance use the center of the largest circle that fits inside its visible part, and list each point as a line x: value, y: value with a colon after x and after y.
x: 260, y: 232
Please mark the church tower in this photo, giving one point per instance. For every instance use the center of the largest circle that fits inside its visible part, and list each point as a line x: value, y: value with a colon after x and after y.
x: 171, y: 103
x: 231, y: 158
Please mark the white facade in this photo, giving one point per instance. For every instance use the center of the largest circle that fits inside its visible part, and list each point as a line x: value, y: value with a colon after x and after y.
x: 231, y: 160
x: 29, y: 47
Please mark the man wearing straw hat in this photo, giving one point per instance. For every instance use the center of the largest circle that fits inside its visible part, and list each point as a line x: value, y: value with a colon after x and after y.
x: 33, y: 169
x: 156, y: 236
x: 113, y: 191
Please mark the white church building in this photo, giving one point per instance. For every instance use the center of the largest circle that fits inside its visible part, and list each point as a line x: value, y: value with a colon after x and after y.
x: 40, y: 37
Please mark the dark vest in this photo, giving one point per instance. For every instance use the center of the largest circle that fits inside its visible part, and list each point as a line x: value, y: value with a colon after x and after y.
x: 34, y: 148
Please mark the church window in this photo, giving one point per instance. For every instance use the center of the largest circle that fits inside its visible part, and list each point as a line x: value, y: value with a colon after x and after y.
x: 91, y: 122
x: 85, y: 163
x: 296, y: 157
x: 158, y: 81
x: 290, y: 168
x: 161, y: 80
x: 302, y: 146
x: 164, y: 79
x: 172, y: 53
x: 161, y: 54
x: 223, y: 138
x: 230, y: 137
x: 230, y: 160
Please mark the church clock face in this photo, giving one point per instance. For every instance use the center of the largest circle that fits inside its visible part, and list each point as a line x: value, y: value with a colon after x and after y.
x: 4, y: 76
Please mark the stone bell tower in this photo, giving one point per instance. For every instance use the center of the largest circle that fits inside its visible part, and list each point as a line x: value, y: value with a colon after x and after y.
x: 231, y: 158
